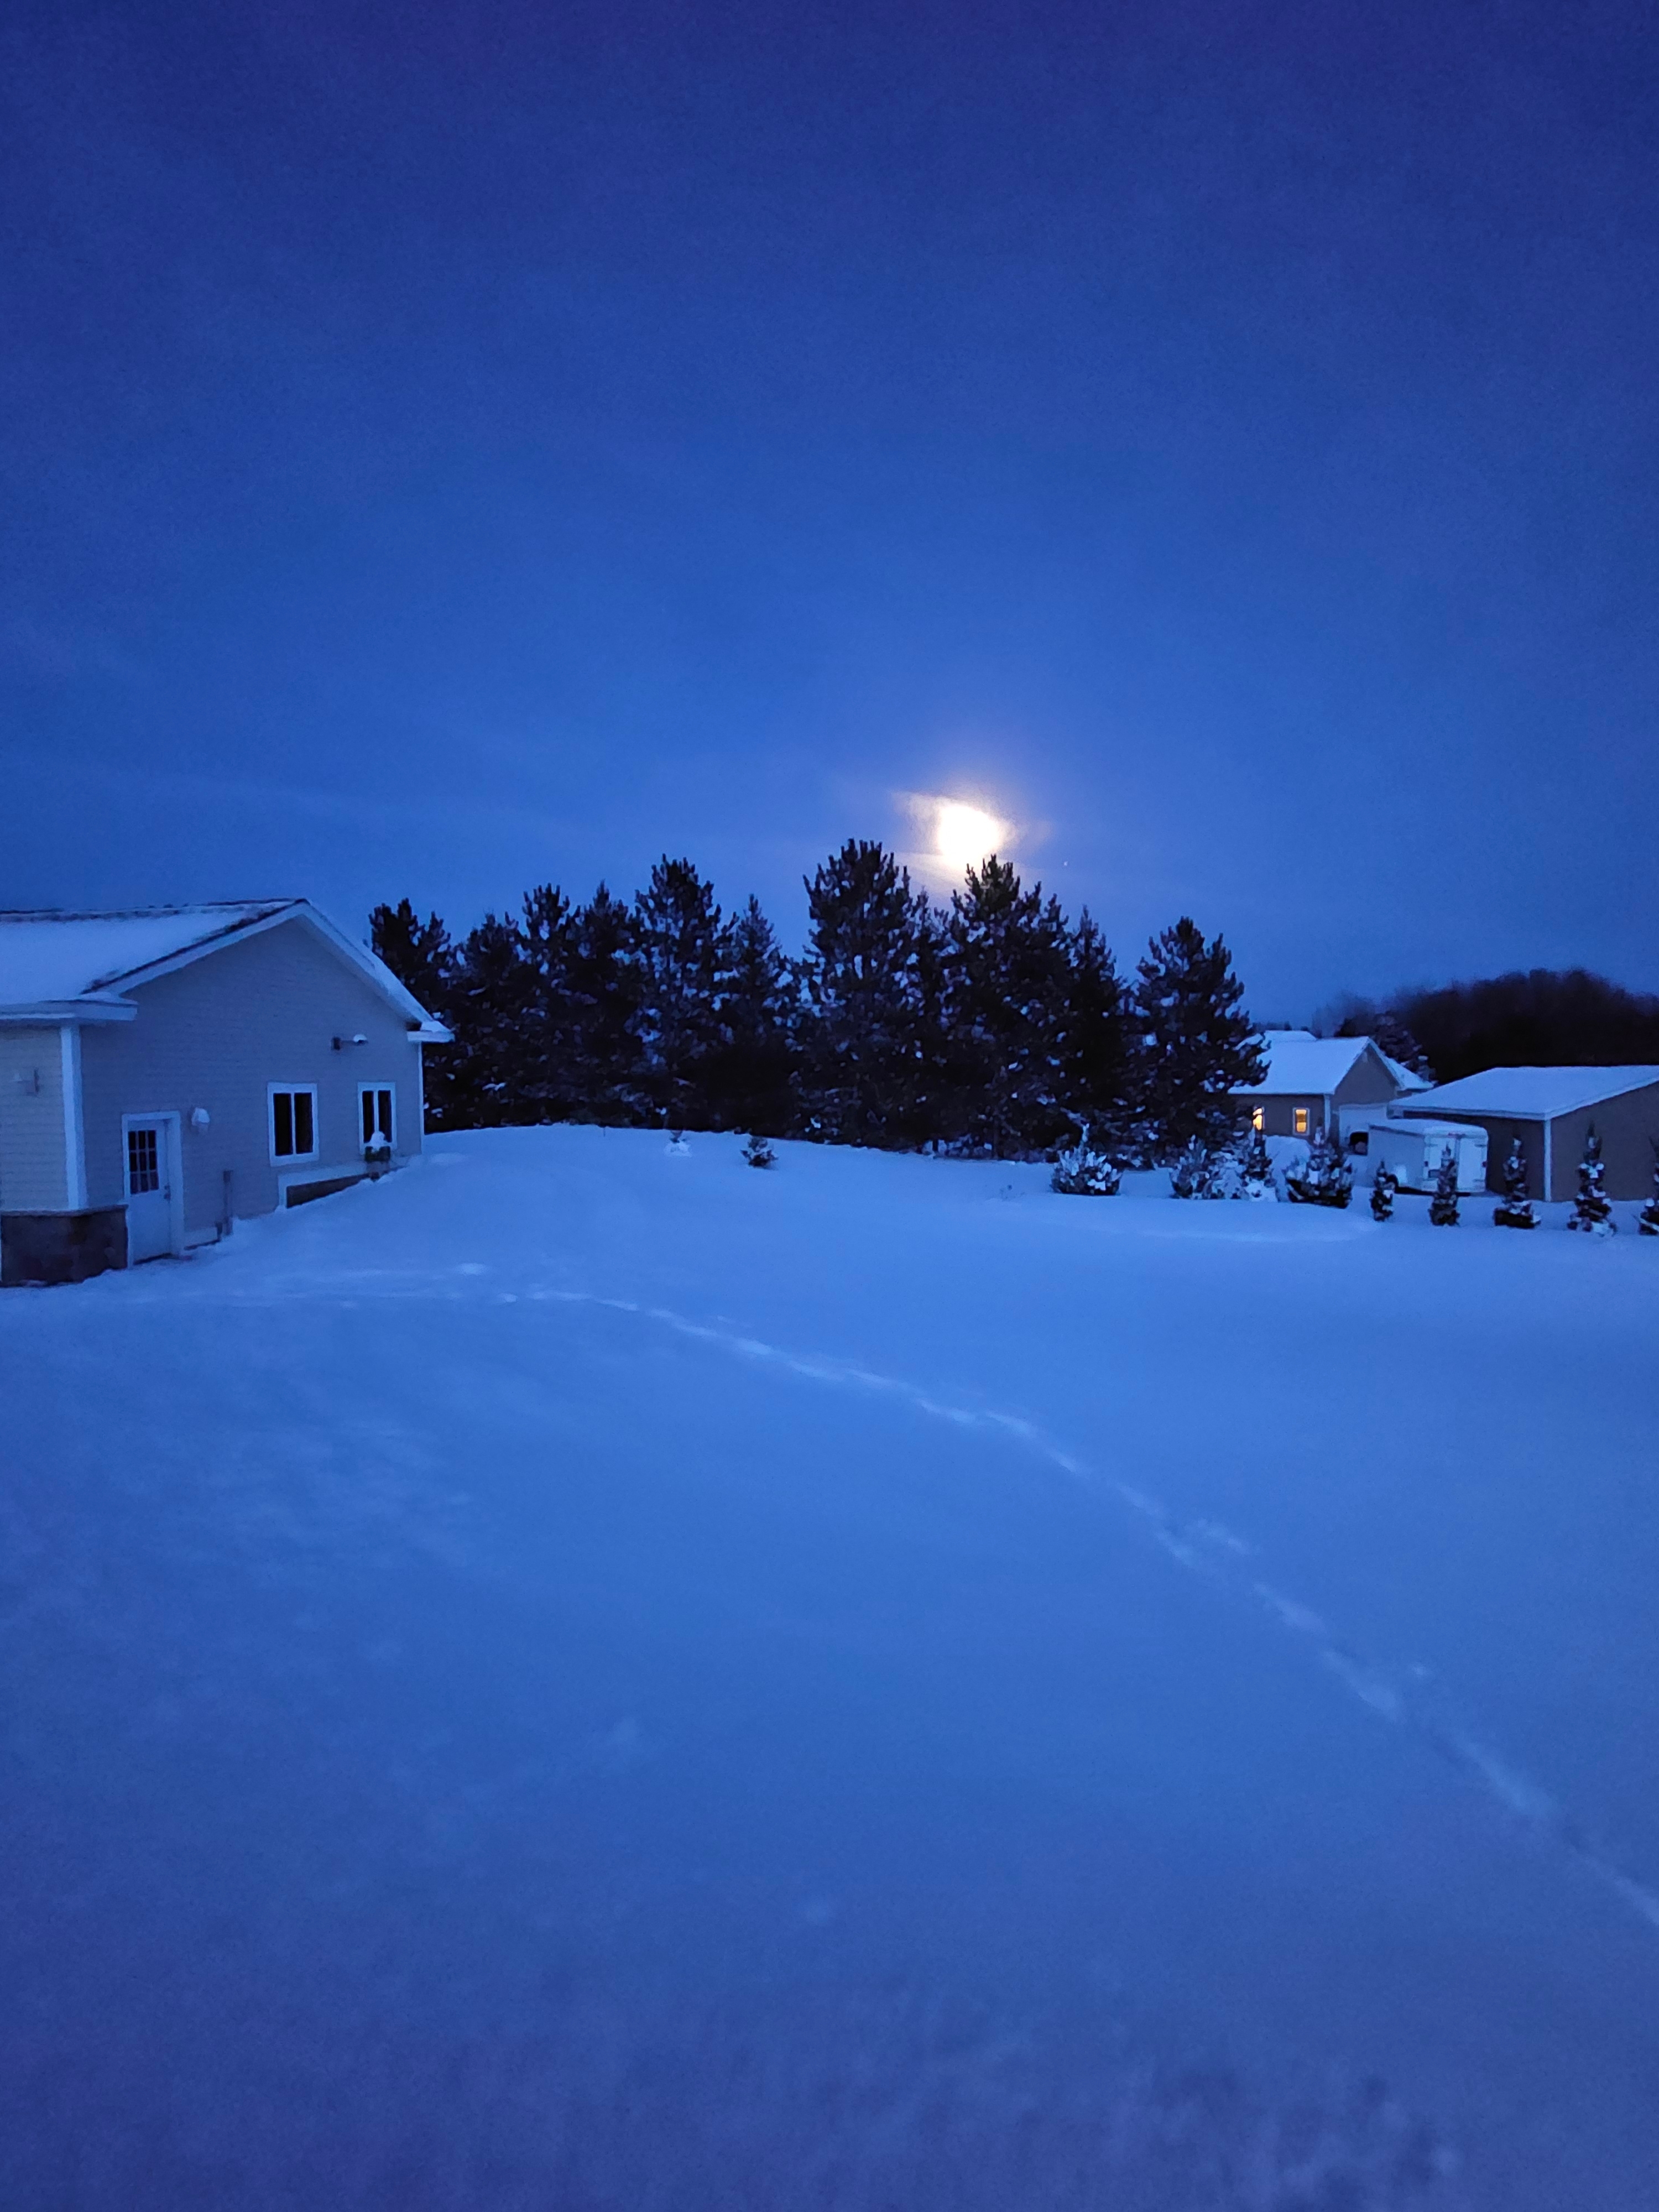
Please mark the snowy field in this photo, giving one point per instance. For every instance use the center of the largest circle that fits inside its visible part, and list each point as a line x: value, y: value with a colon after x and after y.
x: 579, y: 1678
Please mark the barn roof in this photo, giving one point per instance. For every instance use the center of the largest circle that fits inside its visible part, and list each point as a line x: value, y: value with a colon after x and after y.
x: 68, y: 963
x: 1531, y: 1094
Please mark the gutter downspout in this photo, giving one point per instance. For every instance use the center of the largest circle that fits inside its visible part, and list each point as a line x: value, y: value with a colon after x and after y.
x: 1549, y: 1163
x: 75, y: 1135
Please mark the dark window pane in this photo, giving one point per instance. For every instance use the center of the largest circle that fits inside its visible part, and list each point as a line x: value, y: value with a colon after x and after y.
x: 303, y: 1139
x: 282, y: 1114
x: 368, y: 1104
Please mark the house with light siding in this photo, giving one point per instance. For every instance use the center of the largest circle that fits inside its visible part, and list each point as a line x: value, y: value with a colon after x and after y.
x: 1338, y: 1085
x: 166, y: 1071
x: 1552, y: 1110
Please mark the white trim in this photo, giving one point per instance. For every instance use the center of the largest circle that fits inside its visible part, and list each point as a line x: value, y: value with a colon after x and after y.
x: 365, y: 1089
x: 172, y: 1172
x: 1549, y: 1161
x: 293, y: 1159
x: 75, y: 1133
x: 50, y: 1010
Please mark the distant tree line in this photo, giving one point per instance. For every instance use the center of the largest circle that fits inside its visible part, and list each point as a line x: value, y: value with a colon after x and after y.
x: 988, y: 1025
x: 1543, y: 1018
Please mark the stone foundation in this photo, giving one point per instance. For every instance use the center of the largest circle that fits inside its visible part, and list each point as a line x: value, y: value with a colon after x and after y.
x: 61, y: 1248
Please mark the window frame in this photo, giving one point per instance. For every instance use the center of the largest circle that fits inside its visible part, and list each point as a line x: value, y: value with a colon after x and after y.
x: 1302, y: 1120
x: 292, y: 1089
x: 373, y: 1091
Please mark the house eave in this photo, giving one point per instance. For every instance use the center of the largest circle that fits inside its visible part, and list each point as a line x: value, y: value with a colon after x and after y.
x: 44, y: 1013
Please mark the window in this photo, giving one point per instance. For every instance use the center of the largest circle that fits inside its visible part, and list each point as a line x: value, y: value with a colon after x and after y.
x: 143, y: 1165
x: 377, y: 1115
x: 294, y: 1122
x: 1259, y: 1118
x: 1301, y: 1121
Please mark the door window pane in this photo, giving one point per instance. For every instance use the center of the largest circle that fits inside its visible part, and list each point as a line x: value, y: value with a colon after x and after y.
x: 144, y: 1166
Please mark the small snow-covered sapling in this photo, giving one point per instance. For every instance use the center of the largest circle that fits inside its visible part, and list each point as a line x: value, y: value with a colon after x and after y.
x: 1515, y: 1210
x: 1647, y: 1221
x: 1327, y: 1179
x: 1592, y: 1209
x: 1085, y: 1171
x: 758, y: 1153
x: 1384, y: 1184
x: 1442, y: 1207
x: 1255, y: 1170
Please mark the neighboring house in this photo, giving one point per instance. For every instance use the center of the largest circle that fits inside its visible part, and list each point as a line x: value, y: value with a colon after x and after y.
x: 1552, y: 1110
x: 163, y: 1071
x: 1338, y: 1084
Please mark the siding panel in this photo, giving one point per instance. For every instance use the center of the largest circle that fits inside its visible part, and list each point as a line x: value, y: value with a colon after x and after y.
x: 33, y: 1178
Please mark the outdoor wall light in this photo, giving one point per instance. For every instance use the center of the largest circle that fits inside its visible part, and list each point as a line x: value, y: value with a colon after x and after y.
x: 199, y: 1117
x: 340, y: 1043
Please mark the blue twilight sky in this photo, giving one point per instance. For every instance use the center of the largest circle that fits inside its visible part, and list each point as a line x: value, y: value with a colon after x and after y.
x: 447, y: 447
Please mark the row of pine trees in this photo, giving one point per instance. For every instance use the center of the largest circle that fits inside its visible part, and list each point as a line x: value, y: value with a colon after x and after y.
x: 988, y: 1025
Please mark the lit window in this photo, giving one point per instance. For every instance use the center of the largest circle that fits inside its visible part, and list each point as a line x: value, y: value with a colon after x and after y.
x: 1259, y: 1118
x: 294, y: 1122
x: 377, y: 1118
x: 1301, y: 1121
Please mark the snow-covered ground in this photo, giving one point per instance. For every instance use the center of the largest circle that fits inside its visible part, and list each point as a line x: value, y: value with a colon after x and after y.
x: 578, y: 1677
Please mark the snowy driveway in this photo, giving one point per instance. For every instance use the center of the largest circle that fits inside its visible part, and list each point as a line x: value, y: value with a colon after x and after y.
x: 575, y: 1678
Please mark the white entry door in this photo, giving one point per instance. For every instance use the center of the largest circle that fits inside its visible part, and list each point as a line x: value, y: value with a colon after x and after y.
x: 151, y: 1177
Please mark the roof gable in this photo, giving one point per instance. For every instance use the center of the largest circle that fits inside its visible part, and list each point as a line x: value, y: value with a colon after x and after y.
x: 62, y: 959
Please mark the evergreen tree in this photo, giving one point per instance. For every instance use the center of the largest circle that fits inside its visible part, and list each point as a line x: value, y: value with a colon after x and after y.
x: 1082, y: 1171
x: 1593, y: 1210
x: 547, y: 1058
x: 1442, y: 1207
x: 1385, y: 1185
x: 1255, y: 1170
x: 758, y: 1153
x: 862, y: 1077
x: 1387, y: 1033
x: 680, y: 945
x: 1647, y: 1221
x: 1005, y: 988
x: 608, y: 1076
x: 751, y: 1073
x: 1327, y: 1178
x: 424, y: 960
x: 1515, y: 1210
x: 1199, y: 1044
x: 1200, y: 1169
x: 1097, y: 1053
x: 490, y: 1003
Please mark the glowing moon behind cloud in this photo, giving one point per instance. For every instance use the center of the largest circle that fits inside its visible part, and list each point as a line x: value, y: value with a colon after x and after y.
x: 964, y: 836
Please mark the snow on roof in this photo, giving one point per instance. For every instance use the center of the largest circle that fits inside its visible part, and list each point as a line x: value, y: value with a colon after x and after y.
x: 48, y: 955
x: 1300, y: 1063
x: 1407, y: 1078
x: 1533, y: 1094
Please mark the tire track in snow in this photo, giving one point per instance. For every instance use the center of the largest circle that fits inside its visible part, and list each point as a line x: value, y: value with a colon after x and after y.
x: 1409, y: 1699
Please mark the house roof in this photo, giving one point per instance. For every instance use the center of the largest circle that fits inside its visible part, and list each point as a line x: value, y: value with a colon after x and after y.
x: 1532, y: 1094
x: 1305, y: 1065
x: 67, y: 965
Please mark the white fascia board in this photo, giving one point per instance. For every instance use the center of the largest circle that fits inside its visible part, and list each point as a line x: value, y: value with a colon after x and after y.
x: 432, y: 1033
x: 50, y: 1012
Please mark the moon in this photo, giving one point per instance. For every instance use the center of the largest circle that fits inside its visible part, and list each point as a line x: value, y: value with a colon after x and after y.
x: 964, y: 836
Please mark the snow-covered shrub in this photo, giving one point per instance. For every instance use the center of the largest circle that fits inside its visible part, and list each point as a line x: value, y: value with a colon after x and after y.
x: 1255, y: 1176
x: 1200, y: 1172
x: 1592, y: 1210
x: 758, y: 1153
x: 678, y: 1147
x: 1384, y: 1186
x: 1086, y: 1172
x: 1442, y: 1207
x: 1327, y: 1179
x: 1515, y: 1210
x: 1647, y: 1221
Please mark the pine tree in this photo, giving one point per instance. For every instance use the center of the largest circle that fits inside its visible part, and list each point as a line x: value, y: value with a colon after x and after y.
x: 1442, y: 1207
x: 1327, y: 1179
x: 1097, y: 1053
x: 1385, y: 1185
x: 758, y: 1153
x: 490, y: 1002
x: 1200, y: 1046
x: 1515, y: 1210
x: 546, y: 1057
x: 1593, y: 1210
x: 1647, y: 1221
x: 424, y: 960
x: 1081, y: 1172
x: 863, y: 1079
x: 608, y: 1078
x: 751, y: 1075
x: 1005, y: 986
x: 1254, y: 1178
x: 1200, y: 1169
x: 680, y: 944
